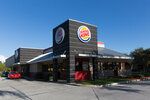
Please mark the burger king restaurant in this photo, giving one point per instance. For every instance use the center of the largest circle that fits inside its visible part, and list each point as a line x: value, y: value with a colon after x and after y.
x: 76, y: 55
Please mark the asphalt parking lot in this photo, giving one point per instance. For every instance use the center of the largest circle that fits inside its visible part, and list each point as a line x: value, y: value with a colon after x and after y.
x: 22, y: 89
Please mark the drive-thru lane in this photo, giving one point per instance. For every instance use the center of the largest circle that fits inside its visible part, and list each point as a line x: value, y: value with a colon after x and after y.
x: 132, y: 91
x: 22, y: 89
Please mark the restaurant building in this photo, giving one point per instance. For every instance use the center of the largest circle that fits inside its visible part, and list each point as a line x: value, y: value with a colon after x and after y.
x: 76, y: 55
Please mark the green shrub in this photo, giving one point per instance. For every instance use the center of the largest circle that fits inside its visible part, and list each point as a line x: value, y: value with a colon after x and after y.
x: 101, y: 81
x: 136, y: 76
x: 141, y: 75
x: 51, y: 78
x: 147, y: 74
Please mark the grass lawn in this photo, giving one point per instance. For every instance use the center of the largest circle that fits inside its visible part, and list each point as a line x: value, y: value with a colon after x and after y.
x: 102, y: 81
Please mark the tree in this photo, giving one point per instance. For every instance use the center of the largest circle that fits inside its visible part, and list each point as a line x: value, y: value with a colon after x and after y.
x: 141, y: 59
x: 3, y: 68
x: 146, y: 58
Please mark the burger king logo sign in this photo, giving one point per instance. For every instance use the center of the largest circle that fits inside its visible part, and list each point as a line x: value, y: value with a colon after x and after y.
x: 59, y: 36
x: 84, y: 34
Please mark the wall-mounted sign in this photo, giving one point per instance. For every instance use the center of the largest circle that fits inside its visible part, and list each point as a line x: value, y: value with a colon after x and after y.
x: 59, y: 36
x: 84, y: 34
x: 16, y: 54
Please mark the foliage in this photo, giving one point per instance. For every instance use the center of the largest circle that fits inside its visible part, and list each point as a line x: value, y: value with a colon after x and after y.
x: 141, y: 59
x: 51, y: 78
x: 147, y: 74
x: 3, y: 68
x: 136, y: 76
x: 113, y: 79
x: 139, y: 75
x: 102, y: 81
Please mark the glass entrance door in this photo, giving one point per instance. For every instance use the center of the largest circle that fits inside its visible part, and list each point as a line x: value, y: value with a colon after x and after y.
x: 82, y: 71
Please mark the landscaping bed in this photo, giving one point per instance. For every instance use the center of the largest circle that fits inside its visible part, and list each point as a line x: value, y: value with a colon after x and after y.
x: 110, y: 80
x: 102, y: 81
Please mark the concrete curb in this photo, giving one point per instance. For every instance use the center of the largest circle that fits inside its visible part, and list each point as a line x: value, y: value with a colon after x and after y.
x: 112, y: 84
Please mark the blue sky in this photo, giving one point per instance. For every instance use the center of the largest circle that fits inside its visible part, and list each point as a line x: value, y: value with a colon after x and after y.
x: 123, y: 25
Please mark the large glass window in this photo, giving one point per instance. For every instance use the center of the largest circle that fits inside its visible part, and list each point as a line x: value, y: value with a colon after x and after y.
x: 127, y: 66
x: 50, y: 69
x: 85, y: 66
x: 47, y: 68
x: 111, y: 65
x: 78, y: 66
x: 44, y: 68
x: 108, y: 66
x: 82, y: 66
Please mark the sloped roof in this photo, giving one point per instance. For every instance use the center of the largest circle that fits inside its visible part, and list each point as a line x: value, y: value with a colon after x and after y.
x: 107, y: 53
x: 45, y: 57
x: 42, y: 58
x: 102, y: 53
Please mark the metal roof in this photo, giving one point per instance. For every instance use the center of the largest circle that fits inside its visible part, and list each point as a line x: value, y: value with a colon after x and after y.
x: 42, y: 58
x: 107, y: 53
x: 45, y: 57
x: 102, y: 53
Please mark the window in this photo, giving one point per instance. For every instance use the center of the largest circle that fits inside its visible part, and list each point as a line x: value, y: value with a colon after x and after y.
x: 82, y: 66
x: 85, y: 66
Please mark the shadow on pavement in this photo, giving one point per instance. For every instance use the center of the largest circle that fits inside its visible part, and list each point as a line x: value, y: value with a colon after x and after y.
x: 142, y: 83
x: 122, y: 88
x: 13, y: 93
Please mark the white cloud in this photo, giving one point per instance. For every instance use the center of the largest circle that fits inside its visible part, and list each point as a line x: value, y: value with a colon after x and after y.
x: 2, y: 58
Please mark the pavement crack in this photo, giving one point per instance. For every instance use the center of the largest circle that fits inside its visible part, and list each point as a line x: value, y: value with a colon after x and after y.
x: 22, y: 93
x: 39, y: 93
x: 95, y: 94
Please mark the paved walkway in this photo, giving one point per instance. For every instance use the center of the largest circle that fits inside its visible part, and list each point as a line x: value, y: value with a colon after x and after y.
x: 21, y: 89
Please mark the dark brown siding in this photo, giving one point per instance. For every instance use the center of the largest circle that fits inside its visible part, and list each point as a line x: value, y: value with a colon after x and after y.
x: 76, y: 44
x: 27, y: 54
x: 10, y: 61
x: 71, y: 42
x: 71, y: 46
x: 63, y: 47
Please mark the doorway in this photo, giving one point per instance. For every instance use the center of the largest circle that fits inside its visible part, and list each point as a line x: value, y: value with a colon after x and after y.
x: 62, y: 75
x: 82, y: 69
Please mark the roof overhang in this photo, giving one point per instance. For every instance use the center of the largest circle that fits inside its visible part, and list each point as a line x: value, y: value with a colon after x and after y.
x: 59, y: 56
x: 35, y: 60
x: 86, y: 55
x: 40, y: 61
x: 38, y: 57
x: 16, y: 64
x: 115, y: 57
x: 105, y: 57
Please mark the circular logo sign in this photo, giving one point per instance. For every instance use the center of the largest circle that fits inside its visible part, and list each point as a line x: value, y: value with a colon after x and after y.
x: 84, y: 34
x: 59, y: 36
